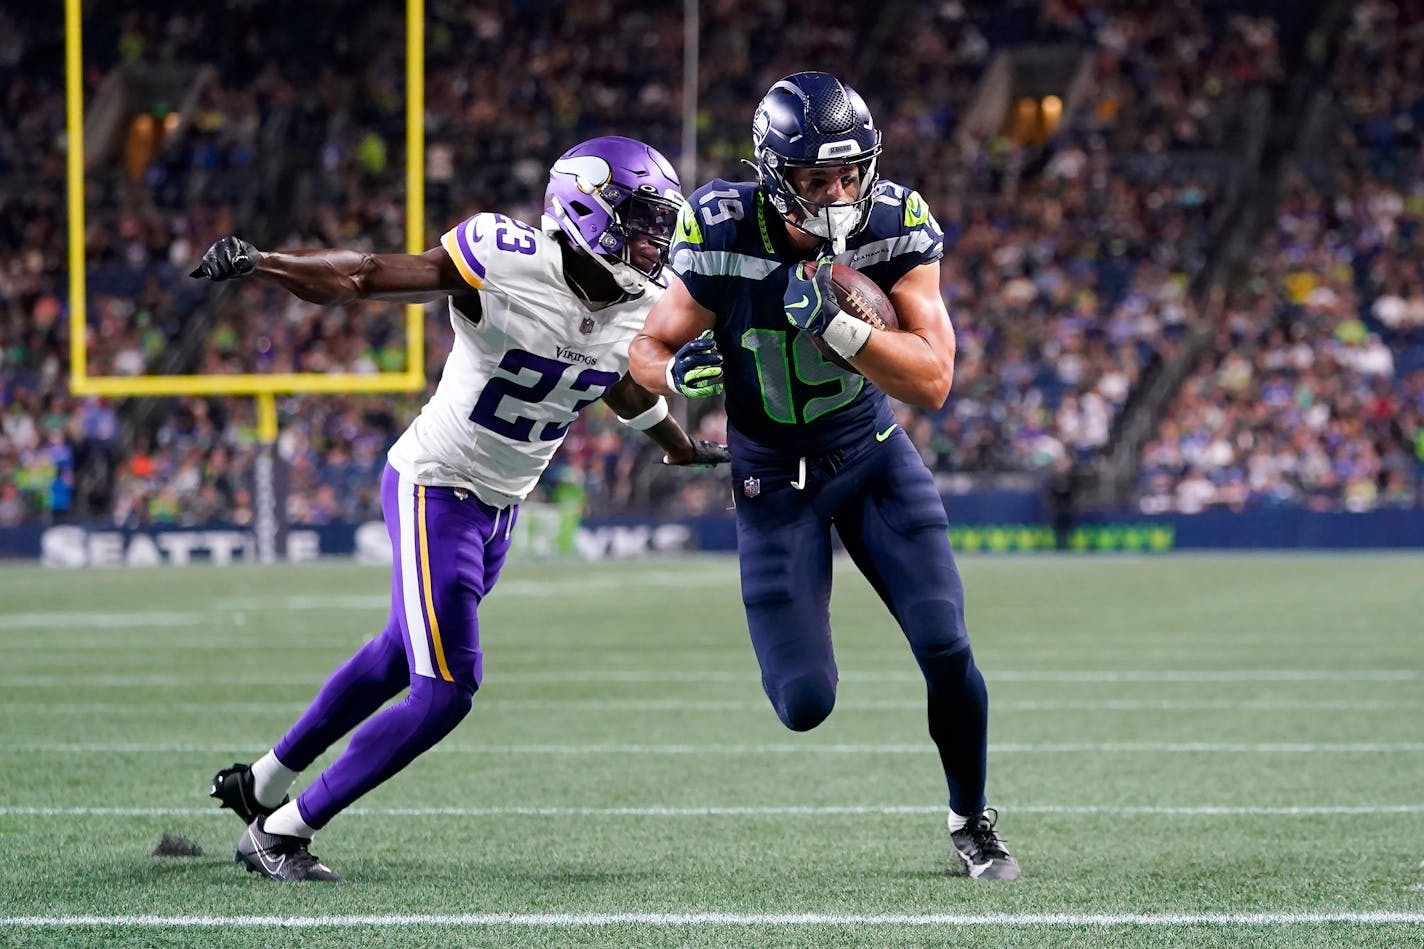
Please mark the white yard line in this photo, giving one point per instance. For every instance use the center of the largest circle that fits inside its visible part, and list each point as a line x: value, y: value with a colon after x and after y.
x: 760, y: 705
x: 515, y: 588
x: 153, y: 681
x: 583, y: 920
x: 336, y: 601
x: 749, y: 811
x: 1201, y: 675
x: 105, y: 620
x: 601, y: 676
x: 773, y: 748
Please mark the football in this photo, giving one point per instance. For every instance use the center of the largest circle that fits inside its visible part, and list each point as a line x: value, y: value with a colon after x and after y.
x: 860, y: 297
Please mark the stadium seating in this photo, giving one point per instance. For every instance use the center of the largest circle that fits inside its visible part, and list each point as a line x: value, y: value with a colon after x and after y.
x: 1069, y: 270
x: 1311, y: 390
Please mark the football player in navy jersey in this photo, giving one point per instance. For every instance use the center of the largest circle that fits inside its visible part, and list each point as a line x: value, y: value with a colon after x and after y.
x: 814, y: 445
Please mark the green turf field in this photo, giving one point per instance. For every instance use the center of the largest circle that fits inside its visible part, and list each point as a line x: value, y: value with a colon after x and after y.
x: 1202, y: 751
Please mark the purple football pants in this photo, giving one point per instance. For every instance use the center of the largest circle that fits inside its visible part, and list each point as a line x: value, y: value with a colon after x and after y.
x: 448, y: 549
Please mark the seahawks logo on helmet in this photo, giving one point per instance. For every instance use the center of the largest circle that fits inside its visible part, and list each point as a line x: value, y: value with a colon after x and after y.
x: 760, y: 124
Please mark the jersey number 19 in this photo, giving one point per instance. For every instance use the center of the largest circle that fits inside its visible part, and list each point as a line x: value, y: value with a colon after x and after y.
x: 774, y: 371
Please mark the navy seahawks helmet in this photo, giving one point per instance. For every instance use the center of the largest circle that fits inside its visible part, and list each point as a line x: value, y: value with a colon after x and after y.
x: 813, y: 120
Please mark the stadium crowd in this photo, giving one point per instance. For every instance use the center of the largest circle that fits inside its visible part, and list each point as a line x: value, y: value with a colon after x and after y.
x: 1068, y: 264
x: 1068, y: 270
x: 1313, y: 390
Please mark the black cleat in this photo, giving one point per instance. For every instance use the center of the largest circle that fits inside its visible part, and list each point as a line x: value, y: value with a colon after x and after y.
x: 234, y: 787
x: 981, y: 850
x: 279, y: 857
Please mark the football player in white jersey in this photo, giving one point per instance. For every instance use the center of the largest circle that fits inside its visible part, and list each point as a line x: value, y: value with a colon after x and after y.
x: 543, y: 319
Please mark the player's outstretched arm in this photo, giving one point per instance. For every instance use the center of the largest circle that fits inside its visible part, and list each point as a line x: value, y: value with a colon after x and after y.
x: 643, y: 411
x: 916, y: 364
x: 336, y: 276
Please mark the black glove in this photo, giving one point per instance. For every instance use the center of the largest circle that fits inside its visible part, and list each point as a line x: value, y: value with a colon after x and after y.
x: 704, y: 453
x: 228, y: 258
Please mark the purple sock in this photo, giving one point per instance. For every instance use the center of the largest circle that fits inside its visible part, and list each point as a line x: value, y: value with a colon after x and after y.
x: 384, y: 745
x: 362, y: 684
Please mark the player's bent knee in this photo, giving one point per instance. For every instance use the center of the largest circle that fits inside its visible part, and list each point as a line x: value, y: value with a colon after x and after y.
x: 445, y: 703
x: 944, y: 648
x: 935, y: 627
x: 804, y: 702
x: 950, y: 667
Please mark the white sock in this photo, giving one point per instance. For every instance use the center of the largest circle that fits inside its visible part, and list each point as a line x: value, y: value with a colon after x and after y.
x: 271, y: 779
x: 957, y: 821
x: 287, y: 822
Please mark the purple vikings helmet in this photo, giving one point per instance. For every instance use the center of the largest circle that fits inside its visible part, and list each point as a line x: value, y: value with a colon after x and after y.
x: 604, y: 191
x: 811, y: 120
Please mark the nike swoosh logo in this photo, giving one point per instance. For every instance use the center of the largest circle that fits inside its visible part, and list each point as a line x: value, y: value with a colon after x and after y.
x: 273, y: 868
x: 881, y: 436
x: 804, y: 301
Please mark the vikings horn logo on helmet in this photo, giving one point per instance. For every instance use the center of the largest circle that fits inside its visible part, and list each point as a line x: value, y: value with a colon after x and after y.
x: 590, y: 172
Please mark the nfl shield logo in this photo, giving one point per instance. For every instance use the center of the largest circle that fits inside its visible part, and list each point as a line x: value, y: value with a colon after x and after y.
x: 751, y: 487
x: 586, y: 326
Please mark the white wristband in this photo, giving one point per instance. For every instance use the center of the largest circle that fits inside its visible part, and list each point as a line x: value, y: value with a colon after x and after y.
x: 646, y: 420
x: 667, y: 375
x: 846, y: 335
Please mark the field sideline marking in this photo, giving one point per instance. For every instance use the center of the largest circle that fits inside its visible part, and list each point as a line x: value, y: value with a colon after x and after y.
x: 684, y: 675
x: 567, y: 920
x: 778, y: 748
x: 746, y: 811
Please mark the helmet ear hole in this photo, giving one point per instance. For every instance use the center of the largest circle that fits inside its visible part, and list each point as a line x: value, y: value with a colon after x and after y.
x: 580, y: 208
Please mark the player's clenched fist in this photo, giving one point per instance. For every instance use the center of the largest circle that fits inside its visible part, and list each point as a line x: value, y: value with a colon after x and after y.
x: 229, y: 257
x: 696, y: 370
x: 810, y: 302
x: 703, y: 454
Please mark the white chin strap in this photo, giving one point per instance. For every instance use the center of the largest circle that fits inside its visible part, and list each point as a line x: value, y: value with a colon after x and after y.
x: 628, y: 278
x: 833, y: 223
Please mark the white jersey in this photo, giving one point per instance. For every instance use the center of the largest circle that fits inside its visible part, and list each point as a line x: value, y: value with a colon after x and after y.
x: 519, y: 375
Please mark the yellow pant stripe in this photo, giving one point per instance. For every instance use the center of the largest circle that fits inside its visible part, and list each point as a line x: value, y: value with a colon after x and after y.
x: 429, y: 600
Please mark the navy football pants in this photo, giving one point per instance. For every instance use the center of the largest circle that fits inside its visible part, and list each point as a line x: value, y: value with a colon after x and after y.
x: 886, y: 509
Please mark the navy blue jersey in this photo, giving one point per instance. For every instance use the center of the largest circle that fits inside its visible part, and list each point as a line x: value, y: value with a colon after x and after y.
x: 732, y: 253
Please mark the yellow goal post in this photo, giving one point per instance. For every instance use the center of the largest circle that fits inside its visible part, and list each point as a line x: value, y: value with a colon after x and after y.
x: 263, y: 386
